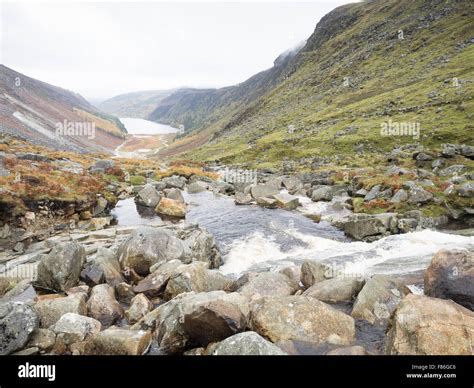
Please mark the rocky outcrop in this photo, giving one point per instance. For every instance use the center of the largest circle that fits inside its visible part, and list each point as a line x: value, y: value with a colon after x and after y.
x: 428, y: 326
x: 450, y: 275
x: 301, y: 318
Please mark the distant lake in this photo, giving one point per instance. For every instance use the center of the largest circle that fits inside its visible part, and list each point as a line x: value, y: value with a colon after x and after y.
x: 146, y: 127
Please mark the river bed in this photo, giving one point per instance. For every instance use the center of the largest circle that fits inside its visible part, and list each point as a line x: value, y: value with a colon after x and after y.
x: 254, y: 238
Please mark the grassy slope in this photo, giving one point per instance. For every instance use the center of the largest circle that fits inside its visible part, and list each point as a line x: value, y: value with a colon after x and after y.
x: 389, y: 79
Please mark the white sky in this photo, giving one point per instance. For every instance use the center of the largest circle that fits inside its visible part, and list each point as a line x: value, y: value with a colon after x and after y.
x: 103, y: 49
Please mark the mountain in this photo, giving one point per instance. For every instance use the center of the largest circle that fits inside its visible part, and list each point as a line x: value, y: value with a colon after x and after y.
x: 366, y: 65
x: 34, y: 110
x: 135, y: 104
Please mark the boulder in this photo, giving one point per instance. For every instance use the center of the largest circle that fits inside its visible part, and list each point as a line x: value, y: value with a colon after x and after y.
x: 266, y: 190
x: 267, y: 202
x: 148, y: 196
x: 175, y: 181
x: 373, y: 193
x: 101, y: 166
x: 248, y: 343
x: 216, y: 316
x: 378, y: 298
x: 196, y: 277
x: 466, y: 190
x: 175, y: 194
x: 60, y: 269
x: 292, y: 184
x: 287, y: 201
x: 107, y: 261
x: 242, y: 198
x: 313, y: 272
x: 18, y: 321
x: 171, y: 208
x: 117, y: 341
x: 155, y: 283
x: 268, y: 284
x: 139, y: 307
x: 428, y: 326
x: 203, y: 247
x: 400, y: 196
x: 197, y: 187
x: 337, y: 290
x: 103, y: 306
x: 322, y: 193
x: 43, y: 339
x: 300, y: 318
x: 355, y: 350
x: 368, y: 227
x: 450, y: 275
x: 418, y: 195
x: 75, y: 328
x: 51, y: 309
x: 147, y: 246
x: 455, y: 169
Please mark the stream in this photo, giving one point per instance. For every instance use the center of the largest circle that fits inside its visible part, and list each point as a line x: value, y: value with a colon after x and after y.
x: 254, y: 238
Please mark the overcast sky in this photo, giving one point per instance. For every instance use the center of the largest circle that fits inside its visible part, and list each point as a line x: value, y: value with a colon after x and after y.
x: 103, y: 49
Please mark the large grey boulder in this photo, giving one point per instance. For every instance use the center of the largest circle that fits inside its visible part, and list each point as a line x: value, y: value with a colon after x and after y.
x: 196, y: 277
x: 147, y: 246
x: 155, y: 283
x: 264, y: 190
x: 175, y: 181
x: 428, y: 326
x: 18, y: 321
x: 175, y: 194
x: 418, y: 195
x: 101, y: 166
x: 248, y: 343
x: 368, y: 227
x: 450, y: 275
x: 301, y: 318
x: 287, y: 201
x: 203, y: 247
x: 148, y: 196
x: 378, y: 299
x: 106, y: 260
x: 337, y: 290
x: 197, y: 187
x: 60, y: 269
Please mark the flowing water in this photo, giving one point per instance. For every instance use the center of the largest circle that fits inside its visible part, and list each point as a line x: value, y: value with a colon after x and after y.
x: 255, y: 238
